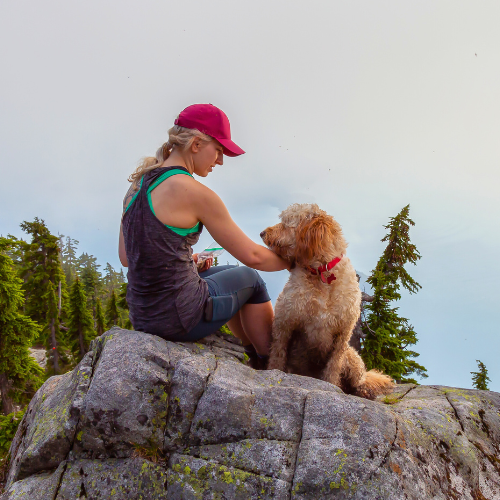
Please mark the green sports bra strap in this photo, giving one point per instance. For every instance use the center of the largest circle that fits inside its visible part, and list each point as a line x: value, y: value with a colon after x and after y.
x: 179, y: 230
x: 164, y: 176
x: 134, y: 197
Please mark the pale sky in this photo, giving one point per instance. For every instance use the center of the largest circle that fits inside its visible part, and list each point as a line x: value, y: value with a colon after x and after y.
x: 361, y: 107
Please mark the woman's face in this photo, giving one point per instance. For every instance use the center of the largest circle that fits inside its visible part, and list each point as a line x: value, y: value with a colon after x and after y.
x: 206, y: 156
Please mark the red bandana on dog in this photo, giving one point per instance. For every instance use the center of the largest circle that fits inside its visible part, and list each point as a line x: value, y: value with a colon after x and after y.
x: 322, y: 270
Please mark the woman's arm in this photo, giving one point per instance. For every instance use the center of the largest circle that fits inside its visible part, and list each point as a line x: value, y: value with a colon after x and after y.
x: 121, y: 249
x: 214, y: 215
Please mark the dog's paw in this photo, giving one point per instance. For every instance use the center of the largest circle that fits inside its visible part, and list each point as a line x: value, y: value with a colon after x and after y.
x: 276, y: 364
x: 364, y: 392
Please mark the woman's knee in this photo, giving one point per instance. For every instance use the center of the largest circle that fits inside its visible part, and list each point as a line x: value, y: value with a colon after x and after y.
x: 260, y: 293
x: 250, y: 276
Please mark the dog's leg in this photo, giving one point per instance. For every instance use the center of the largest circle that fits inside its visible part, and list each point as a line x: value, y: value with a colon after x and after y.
x: 281, y: 334
x: 353, y: 371
x: 334, y: 365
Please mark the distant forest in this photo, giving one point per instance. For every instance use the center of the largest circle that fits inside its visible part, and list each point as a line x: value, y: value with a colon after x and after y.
x: 55, y: 298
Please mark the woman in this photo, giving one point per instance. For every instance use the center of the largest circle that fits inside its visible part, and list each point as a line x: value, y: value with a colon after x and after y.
x: 164, y: 212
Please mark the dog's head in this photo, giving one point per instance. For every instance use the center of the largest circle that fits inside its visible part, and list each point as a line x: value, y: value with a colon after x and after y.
x: 306, y: 236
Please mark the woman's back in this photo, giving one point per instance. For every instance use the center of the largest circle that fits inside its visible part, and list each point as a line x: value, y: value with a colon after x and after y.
x: 165, y: 293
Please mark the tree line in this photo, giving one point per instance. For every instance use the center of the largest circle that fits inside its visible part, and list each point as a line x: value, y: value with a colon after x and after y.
x: 51, y: 298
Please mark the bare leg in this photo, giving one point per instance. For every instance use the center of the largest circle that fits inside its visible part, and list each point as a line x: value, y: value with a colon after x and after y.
x: 257, y: 321
x: 236, y: 328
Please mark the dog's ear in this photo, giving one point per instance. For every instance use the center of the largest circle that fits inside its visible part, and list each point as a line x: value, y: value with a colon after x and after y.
x: 315, y: 238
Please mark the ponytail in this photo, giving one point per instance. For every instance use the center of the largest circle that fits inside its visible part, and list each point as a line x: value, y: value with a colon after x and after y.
x: 177, y: 137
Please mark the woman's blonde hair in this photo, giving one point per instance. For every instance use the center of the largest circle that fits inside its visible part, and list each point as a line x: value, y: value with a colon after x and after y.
x: 177, y: 137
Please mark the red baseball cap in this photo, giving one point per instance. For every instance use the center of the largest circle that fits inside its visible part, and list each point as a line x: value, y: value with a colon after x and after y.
x: 212, y: 121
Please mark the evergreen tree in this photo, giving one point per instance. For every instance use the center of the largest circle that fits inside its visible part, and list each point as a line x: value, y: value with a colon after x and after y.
x: 100, y: 320
x: 52, y: 335
x: 123, y: 305
x: 18, y: 370
x: 109, y: 278
x: 41, y: 268
x: 112, y: 314
x: 68, y: 257
x: 480, y: 379
x: 92, y: 285
x: 387, y: 335
x: 120, y: 277
x: 15, y: 251
x: 80, y: 324
x: 86, y: 260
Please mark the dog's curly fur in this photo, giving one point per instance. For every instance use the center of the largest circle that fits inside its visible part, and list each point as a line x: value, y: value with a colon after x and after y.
x: 314, y: 320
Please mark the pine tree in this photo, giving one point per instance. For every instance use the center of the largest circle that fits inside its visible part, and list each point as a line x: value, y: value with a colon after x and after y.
x: 40, y: 268
x: 100, y: 320
x: 387, y: 335
x: 92, y: 285
x: 109, y: 278
x: 15, y: 251
x: 123, y: 305
x: 68, y: 257
x: 18, y: 370
x: 112, y: 314
x: 480, y: 379
x: 52, y: 335
x: 120, y: 277
x: 80, y: 323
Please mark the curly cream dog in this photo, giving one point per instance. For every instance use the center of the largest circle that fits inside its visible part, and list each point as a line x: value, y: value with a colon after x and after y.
x: 318, y: 308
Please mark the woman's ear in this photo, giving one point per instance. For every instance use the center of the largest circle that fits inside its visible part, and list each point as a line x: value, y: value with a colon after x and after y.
x: 314, y: 239
x: 196, y: 146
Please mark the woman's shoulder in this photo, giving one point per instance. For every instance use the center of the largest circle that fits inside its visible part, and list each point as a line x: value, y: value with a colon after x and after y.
x: 129, y: 196
x: 191, y: 184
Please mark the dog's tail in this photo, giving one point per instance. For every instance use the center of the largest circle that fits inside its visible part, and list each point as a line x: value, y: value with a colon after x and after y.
x: 374, y: 383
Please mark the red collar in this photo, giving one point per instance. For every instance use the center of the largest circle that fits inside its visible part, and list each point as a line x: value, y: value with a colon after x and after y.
x: 322, y: 270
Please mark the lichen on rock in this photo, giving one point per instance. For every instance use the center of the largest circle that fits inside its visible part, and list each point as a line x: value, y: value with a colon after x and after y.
x: 141, y: 417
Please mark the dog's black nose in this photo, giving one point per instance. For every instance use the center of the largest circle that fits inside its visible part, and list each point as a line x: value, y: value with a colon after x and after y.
x: 262, y: 234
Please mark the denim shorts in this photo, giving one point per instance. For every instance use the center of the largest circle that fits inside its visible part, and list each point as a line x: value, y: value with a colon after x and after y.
x: 230, y: 287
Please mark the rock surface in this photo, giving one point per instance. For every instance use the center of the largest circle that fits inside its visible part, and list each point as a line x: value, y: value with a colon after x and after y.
x: 40, y: 356
x: 141, y: 417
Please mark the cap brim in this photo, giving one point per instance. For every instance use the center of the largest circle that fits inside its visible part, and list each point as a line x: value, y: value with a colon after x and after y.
x: 230, y: 148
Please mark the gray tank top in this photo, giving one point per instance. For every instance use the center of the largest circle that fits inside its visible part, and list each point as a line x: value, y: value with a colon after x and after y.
x: 165, y: 294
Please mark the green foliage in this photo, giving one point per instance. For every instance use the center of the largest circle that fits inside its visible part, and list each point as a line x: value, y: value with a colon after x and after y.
x: 80, y: 323
x: 68, y: 257
x: 480, y: 378
x: 97, y: 285
x: 41, y: 270
x: 112, y: 280
x: 18, y: 370
x: 123, y: 305
x: 100, y: 320
x: 112, y: 315
x: 225, y: 329
x: 52, y: 335
x: 92, y: 285
x: 46, y: 265
x: 388, y: 335
x: 400, y: 251
x: 8, y: 427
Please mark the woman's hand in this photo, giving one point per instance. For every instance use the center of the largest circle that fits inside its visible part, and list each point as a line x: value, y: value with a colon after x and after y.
x: 204, y: 265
